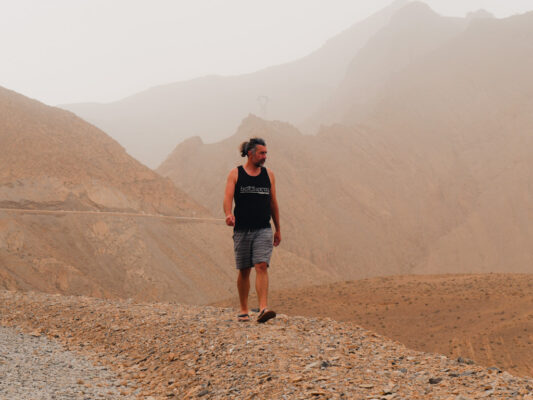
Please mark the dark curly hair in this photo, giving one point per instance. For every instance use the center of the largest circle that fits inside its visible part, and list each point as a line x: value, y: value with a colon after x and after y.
x: 245, y: 147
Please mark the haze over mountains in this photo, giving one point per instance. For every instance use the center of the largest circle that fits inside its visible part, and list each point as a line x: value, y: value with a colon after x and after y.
x: 431, y: 176
x: 150, y: 123
x: 413, y: 31
x: 434, y: 178
x: 422, y: 164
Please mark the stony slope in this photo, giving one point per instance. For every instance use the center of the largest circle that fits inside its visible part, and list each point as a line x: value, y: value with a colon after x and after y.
x: 150, y: 123
x: 486, y: 318
x: 166, y: 351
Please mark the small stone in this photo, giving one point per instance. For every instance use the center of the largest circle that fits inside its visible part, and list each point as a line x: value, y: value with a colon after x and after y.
x: 324, y: 364
x: 312, y: 365
x: 390, y: 388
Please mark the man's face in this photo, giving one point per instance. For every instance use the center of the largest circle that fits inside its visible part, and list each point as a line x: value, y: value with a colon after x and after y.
x: 259, y: 157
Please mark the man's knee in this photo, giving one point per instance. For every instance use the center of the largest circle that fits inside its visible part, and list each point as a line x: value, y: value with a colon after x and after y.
x: 261, y: 267
x: 245, y: 273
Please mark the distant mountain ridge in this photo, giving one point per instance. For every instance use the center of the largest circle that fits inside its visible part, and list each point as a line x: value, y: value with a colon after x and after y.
x: 413, y: 32
x: 150, y: 123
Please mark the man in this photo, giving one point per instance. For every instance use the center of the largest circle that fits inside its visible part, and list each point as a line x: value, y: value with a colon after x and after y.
x: 254, y: 189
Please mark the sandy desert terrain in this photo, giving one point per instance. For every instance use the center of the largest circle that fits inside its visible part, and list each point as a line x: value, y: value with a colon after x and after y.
x: 487, y: 318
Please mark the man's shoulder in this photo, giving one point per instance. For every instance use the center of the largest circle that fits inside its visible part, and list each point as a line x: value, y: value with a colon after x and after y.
x: 269, y: 172
x: 234, y: 173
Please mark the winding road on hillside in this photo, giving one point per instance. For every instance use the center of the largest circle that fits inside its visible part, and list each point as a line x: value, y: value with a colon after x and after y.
x: 110, y: 213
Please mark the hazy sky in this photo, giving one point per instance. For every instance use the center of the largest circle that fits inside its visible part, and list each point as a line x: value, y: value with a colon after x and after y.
x: 63, y: 51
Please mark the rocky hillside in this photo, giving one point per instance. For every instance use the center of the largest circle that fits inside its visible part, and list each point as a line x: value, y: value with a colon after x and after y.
x: 170, y: 350
x: 434, y: 178
x: 52, y: 159
x: 80, y: 216
x: 354, y: 205
x: 465, y: 124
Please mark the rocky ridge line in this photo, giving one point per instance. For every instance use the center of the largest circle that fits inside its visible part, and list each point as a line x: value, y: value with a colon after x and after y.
x: 170, y: 350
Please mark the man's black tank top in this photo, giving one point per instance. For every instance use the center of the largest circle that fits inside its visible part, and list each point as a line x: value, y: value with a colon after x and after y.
x: 252, y: 201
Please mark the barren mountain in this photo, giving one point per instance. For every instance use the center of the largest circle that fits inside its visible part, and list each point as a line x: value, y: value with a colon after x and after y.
x: 80, y: 216
x: 413, y: 32
x: 463, y: 116
x: 436, y: 178
x: 340, y: 193
x: 150, y: 123
x: 487, y: 318
x: 52, y: 159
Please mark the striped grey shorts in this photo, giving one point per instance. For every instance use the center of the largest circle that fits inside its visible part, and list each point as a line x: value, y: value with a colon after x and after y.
x: 252, y: 247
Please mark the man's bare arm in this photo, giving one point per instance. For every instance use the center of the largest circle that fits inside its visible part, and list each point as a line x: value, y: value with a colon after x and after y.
x: 274, y: 209
x: 228, y: 197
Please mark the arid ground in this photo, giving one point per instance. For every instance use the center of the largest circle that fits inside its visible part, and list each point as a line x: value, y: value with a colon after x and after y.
x: 487, y: 318
x: 161, y: 351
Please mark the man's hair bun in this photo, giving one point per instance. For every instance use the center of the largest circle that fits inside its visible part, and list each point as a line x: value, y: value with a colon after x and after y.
x: 245, y: 147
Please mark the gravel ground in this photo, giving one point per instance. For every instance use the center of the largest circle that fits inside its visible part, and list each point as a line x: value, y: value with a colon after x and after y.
x: 163, y: 351
x: 34, y: 367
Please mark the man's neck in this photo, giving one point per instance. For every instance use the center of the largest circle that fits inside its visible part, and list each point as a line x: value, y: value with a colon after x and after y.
x: 252, y: 169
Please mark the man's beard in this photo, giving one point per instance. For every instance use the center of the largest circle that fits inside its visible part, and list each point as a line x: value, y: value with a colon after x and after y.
x: 259, y: 163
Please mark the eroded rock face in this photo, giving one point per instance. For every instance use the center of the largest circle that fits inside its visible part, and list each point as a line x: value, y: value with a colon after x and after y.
x: 171, y: 350
x: 52, y: 159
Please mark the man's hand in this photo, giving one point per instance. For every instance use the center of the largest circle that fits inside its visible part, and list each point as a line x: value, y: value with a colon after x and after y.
x: 277, y: 238
x: 230, y: 220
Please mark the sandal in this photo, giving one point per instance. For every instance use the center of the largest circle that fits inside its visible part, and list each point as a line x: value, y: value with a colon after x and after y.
x: 265, y: 315
x: 243, y: 318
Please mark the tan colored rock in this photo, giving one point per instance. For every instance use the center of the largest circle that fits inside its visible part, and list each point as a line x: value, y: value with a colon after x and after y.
x: 273, y: 366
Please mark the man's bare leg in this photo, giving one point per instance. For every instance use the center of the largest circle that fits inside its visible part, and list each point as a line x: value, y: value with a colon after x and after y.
x: 243, y: 285
x: 261, y: 284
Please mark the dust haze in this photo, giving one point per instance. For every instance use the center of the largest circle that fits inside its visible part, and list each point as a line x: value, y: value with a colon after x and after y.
x: 401, y: 137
